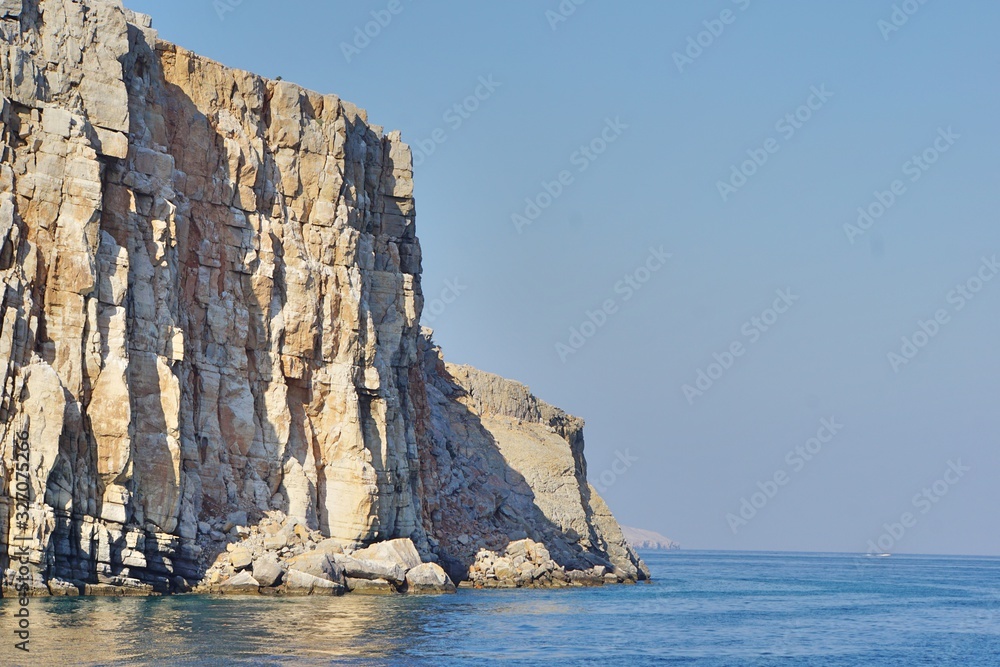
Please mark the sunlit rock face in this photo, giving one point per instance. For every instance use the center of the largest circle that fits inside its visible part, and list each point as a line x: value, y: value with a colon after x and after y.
x: 211, y: 307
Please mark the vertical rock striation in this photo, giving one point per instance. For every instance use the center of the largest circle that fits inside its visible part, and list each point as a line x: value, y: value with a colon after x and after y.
x: 542, y: 449
x: 211, y: 309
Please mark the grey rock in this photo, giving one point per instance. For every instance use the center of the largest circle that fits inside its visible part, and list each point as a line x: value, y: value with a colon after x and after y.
x: 303, y: 583
x: 358, y: 568
x: 267, y: 571
x: 401, y: 552
x: 330, y: 546
x: 241, y: 583
x: 60, y: 588
x: 428, y: 578
x: 319, y: 565
x: 276, y: 542
x: 241, y: 559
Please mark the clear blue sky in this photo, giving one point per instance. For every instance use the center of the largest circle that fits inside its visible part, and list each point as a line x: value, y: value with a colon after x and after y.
x: 657, y: 184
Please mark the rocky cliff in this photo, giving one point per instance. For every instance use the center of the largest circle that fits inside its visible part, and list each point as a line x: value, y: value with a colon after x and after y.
x: 211, y: 320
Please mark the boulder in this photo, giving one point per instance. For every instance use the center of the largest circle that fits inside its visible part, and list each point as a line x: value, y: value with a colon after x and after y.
x: 241, y: 559
x: 180, y: 584
x: 267, y: 571
x: 584, y: 577
x: 60, y: 588
x: 119, y: 588
x: 319, y: 565
x: 303, y: 583
x: 276, y: 542
x: 504, y: 570
x: 370, y: 586
x: 400, y: 552
x: 428, y: 578
x: 360, y: 568
x: 241, y: 583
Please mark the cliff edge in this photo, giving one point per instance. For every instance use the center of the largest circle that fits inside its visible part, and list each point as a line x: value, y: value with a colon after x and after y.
x: 210, y: 335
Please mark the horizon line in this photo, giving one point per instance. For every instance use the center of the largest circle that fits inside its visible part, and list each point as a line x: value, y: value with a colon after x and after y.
x: 817, y: 553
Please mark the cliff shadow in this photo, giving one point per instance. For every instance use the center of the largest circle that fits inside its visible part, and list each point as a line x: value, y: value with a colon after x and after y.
x: 473, y: 498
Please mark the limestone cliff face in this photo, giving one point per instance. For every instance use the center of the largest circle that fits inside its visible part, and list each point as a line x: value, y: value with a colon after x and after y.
x: 211, y: 305
x: 543, y: 446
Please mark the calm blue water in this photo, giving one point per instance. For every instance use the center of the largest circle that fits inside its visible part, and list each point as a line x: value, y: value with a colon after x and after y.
x: 704, y: 609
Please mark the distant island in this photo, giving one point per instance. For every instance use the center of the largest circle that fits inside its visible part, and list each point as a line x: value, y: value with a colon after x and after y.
x: 647, y: 539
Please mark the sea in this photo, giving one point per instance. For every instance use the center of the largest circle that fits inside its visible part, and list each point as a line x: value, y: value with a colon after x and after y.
x: 702, y: 609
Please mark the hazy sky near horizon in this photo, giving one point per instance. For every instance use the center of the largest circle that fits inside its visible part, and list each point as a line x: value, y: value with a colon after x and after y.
x: 899, y: 122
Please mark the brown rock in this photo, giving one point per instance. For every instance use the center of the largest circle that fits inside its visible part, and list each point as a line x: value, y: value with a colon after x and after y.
x: 370, y: 586
x: 241, y: 584
x: 241, y: 559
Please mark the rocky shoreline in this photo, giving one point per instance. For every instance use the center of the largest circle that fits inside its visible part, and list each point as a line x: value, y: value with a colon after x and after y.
x: 527, y: 564
x: 283, y: 557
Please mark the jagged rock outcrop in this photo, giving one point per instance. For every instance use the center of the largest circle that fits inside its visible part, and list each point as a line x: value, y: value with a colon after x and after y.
x: 537, y: 475
x: 526, y: 563
x: 211, y: 316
